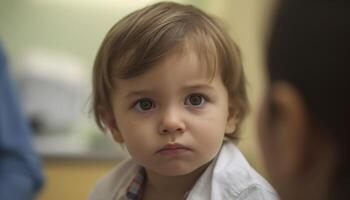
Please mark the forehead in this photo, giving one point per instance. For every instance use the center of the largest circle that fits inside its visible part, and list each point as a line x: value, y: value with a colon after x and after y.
x: 137, y: 60
x: 179, y: 69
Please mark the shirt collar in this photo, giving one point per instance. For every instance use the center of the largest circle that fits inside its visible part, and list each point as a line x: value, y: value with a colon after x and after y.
x: 135, y: 189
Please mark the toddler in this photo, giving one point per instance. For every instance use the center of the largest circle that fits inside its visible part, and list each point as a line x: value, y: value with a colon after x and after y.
x: 168, y: 84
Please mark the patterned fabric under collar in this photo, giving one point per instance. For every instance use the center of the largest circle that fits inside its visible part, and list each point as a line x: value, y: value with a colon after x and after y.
x: 135, y: 189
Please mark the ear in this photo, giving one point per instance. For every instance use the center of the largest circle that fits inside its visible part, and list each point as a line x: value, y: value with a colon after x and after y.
x: 290, y: 123
x: 110, y: 124
x: 231, y: 121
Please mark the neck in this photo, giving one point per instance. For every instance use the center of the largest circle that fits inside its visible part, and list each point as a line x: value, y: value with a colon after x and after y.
x: 159, y: 186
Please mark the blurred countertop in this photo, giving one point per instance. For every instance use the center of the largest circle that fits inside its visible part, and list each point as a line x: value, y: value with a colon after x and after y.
x: 63, y: 146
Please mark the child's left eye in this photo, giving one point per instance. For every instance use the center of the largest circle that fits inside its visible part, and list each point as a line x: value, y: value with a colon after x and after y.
x: 195, y: 100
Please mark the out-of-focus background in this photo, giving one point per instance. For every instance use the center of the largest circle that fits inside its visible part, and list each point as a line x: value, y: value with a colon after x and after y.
x: 51, y: 45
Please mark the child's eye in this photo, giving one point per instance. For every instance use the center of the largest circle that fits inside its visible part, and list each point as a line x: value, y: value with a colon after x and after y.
x: 144, y: 104
x: 195, y: 100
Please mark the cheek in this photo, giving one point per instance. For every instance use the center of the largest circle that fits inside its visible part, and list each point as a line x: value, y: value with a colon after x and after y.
x: 262, y: 128
x: 136, y: 133
x: 138, y: 145
x: 264, y: 133
x: 209, y: 130
x: 268, y: 140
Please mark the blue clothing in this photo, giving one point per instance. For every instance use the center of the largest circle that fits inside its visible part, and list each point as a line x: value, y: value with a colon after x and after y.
x: 20, y: 170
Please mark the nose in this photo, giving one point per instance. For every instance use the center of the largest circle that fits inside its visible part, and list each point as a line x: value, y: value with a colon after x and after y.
x: 172, y: 122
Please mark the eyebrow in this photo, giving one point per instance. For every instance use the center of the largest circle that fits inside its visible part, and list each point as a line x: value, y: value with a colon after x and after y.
x: 198, y: 87
x: 146, y: 92
x: 138, y: 93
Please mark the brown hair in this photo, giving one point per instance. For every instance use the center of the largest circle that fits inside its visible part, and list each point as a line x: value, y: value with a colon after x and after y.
x: 145, y: 36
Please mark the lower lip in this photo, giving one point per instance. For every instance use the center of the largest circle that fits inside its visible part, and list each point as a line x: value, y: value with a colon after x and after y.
x: 173, y: 152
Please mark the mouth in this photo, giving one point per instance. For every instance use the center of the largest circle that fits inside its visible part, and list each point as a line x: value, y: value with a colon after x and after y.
x: 174, y: 149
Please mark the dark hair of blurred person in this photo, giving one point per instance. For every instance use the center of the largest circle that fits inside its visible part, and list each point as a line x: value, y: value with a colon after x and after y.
x: 304, y: 122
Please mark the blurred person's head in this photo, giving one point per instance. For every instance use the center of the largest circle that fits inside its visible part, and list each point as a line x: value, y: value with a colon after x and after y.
x: 304, y: 124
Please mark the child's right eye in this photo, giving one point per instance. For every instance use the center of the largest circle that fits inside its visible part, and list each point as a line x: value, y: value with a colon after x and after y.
x: 144, y: 104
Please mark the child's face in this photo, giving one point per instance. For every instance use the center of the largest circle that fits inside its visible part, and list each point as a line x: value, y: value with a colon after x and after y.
x: 172, y: 118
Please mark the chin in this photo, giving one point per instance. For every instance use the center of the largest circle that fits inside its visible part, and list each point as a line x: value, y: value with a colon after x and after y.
x: 175, y: 170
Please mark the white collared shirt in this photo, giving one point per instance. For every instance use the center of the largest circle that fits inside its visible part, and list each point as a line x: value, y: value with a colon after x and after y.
x: 228, y: 177
x: 231, y: 177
